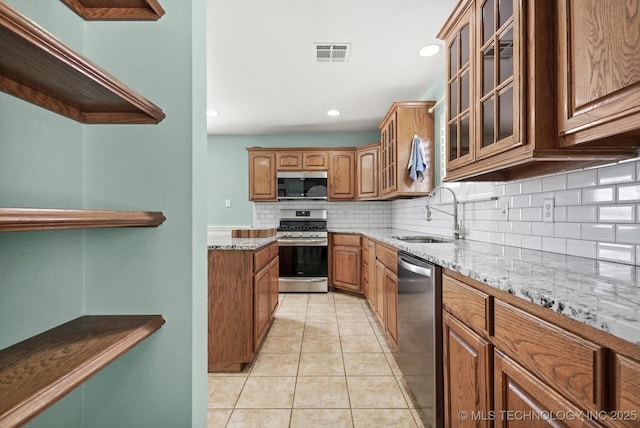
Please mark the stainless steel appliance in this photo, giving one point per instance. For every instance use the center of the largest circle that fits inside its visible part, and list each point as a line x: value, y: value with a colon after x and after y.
x: 303, y: 251
x: 302, y: 185
x: 419, y: 353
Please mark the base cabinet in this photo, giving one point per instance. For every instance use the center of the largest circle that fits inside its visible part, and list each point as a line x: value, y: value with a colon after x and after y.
x: 346, y: 261
x: 510, y: 363
x: 243, y: 295
x: 467, y: 375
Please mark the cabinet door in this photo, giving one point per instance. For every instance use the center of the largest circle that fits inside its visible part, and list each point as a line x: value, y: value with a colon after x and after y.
x: 371, y: 275
x: 289, y: 161
x: 391, y: 305
x: 498, y: 87
x: 523, y: 401
x: 262, y: 176
x: 342, y: 175
x: 261, y: 307
x: 345, y: 266
x: 467, y: 376
x: 599, y: 72
x: 459, y: 92
x: 379, y: 287
x: 274, y: 273
x: 367, y: 171
x: 315, y: 161
x: 388, y: 156
x: 627, y: 391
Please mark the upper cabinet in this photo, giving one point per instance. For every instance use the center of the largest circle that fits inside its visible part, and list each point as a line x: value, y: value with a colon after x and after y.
x: 402, y: 122
x: 367, y: 171
x: 302, y: 160
x: 341, y: 183
x: 599, y: 71
x: 289, y: 161
x: 501, y: 69
x: 40, y: 69
x: 262, y: 175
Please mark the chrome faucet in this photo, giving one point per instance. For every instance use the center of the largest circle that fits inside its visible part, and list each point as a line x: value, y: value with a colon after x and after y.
x: 457, y: 227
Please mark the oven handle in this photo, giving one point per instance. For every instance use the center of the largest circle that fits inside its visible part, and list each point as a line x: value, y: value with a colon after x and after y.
x: 303, y: 242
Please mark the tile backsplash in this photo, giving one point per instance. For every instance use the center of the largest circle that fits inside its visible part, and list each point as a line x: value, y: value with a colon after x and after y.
x: 339, y: 214
x: 596, y: 213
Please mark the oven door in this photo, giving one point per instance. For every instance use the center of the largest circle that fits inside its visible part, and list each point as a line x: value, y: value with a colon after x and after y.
x: 303, y: 265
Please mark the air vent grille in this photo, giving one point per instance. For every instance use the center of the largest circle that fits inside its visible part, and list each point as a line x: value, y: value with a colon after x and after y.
x: 332, y: 52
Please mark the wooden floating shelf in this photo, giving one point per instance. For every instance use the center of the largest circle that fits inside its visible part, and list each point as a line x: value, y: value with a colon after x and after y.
x: 22, y: 219
x: 40, y: 69
x: 116, y: 10
x: 39, y: 371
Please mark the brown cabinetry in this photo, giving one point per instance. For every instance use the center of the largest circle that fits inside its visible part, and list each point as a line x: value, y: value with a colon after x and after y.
x: 520, y: 365
x: 242, y: 299
x: 397, y: 130
x: 346, y: 260
x: 262, y: 175
x: 367, y: 171
x: 315, y: 161
x: 342, y: 175
x: 289, y: 161
x: 386, y: 290
x: 599, y: 71
x: 502, y: 54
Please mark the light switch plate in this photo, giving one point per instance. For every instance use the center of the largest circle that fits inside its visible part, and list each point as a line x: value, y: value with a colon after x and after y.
x: 227, y: 203
x: 547, y: 210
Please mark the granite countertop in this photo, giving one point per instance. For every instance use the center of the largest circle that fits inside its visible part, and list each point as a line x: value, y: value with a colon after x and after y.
x: 604, y: 295
x: 601, y: 294
x: 226, y: 242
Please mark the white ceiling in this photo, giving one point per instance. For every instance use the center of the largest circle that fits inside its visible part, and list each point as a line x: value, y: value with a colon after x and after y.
x: 262, y: 74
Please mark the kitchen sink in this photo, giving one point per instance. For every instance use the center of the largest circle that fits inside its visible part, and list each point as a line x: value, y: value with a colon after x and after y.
x: 423, y: 239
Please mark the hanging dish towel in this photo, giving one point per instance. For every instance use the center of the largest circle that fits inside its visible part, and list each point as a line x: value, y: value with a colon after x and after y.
x: 417, y: 165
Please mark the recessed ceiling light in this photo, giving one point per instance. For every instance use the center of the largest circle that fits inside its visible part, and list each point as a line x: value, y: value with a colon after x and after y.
x: 429, y: 50
x: 213, y: 113
x: 333, y: 112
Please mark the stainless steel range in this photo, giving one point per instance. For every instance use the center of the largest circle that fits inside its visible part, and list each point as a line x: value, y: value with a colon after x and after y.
x: 303, y: 251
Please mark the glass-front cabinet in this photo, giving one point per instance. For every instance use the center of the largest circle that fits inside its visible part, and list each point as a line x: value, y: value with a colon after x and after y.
x: 498, y: 78
x: 459, y: 99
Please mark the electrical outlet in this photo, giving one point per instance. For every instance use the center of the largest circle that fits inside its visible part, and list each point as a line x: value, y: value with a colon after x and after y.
x: 504, y: 212
x: 227, y: 203
x: 547, y: 210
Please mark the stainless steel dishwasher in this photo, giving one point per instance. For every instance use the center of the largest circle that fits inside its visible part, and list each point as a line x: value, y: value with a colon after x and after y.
x: 419, y: 353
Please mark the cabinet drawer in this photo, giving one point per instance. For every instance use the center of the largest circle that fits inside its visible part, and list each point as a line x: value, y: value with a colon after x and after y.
x: 388, y: 257
x: 261, y: 257
x: 273, y: 250
x: 627, y: 389
x: 566, y: 361
x: 469, y: 305
x: 350, y: 240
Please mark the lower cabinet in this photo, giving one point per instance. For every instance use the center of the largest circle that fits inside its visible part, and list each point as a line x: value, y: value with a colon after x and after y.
x: 243, y: 295
x: 510, y: 363
x: 467, y: 375
x: 345, y: 262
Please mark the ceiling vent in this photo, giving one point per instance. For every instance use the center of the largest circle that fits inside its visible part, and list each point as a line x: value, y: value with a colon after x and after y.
x: 332, y: 52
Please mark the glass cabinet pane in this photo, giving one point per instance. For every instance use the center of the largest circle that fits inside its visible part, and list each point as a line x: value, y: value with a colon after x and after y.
x: 505, y: 113
x: 506, y: 54
x: 453, y: 141
x: 464, y: 46
x: 488, y: 21
x: 464, y: 91
x: 453, y: 57
x: 505, y: 11
x: 453, y: 99
x: 464, y: 136
x: 488, y: 57
x: 488, y: 123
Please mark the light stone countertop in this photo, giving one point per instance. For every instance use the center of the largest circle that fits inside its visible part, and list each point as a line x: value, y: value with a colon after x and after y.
x: 601, y: 294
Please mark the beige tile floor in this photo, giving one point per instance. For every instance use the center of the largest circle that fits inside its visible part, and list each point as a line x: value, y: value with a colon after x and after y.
x: 325, y: 363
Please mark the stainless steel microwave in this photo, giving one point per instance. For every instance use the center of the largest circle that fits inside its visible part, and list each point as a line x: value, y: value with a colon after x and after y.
x: 302, y: 185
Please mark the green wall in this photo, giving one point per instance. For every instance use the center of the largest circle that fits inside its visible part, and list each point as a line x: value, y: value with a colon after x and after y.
x: 228, y: 173
x: 51, y: 277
